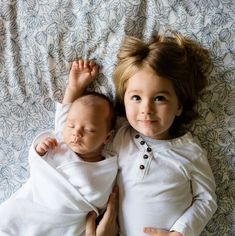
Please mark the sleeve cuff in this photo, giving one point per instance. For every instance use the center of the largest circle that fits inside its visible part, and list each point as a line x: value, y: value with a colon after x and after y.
x: 183, y: 229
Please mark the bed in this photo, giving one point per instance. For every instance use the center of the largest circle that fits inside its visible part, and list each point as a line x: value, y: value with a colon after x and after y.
x: 39, y: 39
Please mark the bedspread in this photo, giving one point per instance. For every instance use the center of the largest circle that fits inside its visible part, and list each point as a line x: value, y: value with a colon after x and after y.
x: 39, y: 39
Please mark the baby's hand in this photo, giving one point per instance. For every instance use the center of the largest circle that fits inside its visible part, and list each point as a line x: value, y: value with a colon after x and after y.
x: 158, y: 232
x: 82, y: 73
x: 43, y: 147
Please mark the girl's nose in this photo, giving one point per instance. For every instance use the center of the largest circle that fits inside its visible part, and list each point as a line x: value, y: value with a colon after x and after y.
x: 146, y: 108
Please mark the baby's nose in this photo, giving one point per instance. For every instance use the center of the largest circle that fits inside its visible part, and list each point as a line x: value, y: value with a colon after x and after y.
x: 75, y: 138
x: 77, y: 133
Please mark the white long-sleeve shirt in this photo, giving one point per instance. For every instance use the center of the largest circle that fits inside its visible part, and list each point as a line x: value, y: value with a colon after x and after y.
x: 166, y: 184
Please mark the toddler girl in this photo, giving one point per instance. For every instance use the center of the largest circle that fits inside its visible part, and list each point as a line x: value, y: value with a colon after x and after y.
x: 166, y: 186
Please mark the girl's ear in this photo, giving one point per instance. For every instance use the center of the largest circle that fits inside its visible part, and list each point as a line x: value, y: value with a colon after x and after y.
x: 180, y: 110
x: 109, y: 136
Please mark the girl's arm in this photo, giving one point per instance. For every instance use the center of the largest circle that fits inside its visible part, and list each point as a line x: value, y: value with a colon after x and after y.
x: 204, y: 205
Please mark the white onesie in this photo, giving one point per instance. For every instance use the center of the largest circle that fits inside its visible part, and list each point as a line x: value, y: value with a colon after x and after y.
x: 61, y: 191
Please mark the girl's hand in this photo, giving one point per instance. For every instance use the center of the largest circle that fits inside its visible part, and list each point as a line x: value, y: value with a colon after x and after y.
x: 43, y: 147
x: 158, y: 232
x: 108, y: 224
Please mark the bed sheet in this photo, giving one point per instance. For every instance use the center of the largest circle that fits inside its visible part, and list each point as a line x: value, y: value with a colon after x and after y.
x: 39, y: 39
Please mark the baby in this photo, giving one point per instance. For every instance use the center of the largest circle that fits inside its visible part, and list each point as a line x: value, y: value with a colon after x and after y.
x: 70, y: 173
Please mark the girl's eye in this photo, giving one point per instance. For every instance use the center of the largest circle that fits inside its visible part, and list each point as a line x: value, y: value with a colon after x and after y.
x: 70, y: 126
x: 160, y: 99
x: 136, y: 98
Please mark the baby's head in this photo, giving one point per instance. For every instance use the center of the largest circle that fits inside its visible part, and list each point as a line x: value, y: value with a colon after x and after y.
x: 172, y: 60
x: 89, y: 125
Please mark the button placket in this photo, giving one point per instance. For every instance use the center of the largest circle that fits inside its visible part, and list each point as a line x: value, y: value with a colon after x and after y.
x: 144, y: 158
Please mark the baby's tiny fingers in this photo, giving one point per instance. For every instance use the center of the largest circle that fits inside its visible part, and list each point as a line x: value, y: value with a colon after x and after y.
x: 41, y: 149
x: 92, y: 63
x: 86, y: 64
x: 51, y: 142
x: 75, y: 65
x: 80, y: 63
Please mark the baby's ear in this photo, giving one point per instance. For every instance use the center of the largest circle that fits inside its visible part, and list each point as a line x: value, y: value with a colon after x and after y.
x: 109, y: 136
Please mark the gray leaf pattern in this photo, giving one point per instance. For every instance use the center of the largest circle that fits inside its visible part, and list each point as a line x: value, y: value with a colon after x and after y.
x: 40, y: 39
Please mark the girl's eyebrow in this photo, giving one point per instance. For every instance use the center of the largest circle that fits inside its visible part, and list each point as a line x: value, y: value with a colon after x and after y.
x: 164, y: 92
x: 157, y: 92
x: 134, y: 91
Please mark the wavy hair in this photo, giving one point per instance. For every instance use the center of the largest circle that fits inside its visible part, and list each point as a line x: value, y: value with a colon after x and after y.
x: 177, y: 58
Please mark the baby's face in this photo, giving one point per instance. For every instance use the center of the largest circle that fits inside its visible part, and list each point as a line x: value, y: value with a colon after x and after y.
x: 86, y: 129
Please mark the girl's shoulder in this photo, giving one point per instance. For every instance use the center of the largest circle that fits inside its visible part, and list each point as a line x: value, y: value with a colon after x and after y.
x: 188, y: 143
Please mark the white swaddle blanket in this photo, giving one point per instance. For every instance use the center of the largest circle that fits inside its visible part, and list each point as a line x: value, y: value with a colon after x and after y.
x: 56, y: 201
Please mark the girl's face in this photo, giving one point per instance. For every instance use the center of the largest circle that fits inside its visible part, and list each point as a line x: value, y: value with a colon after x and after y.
x: 151, y: 104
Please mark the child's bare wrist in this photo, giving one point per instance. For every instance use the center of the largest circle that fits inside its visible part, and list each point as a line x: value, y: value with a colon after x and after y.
x: 71, y: 94
x: 74, y: 89
x: 174, y: 233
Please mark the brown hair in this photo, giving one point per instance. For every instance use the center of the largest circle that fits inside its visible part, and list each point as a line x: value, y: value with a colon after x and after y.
x: 174, y: 57
x: 99, y: 96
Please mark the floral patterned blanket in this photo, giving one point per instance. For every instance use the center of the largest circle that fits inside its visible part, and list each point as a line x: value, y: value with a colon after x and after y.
x: 39, y: 39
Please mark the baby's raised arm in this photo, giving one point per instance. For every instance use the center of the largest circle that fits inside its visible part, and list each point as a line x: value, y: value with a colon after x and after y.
x: 82, y: 73
x: 43, y: 147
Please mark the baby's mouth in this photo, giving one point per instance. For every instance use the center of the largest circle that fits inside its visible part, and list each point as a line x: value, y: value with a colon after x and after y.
x: 76, y: 140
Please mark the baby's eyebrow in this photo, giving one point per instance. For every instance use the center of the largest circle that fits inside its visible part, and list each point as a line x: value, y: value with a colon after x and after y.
x: 69, y: 120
